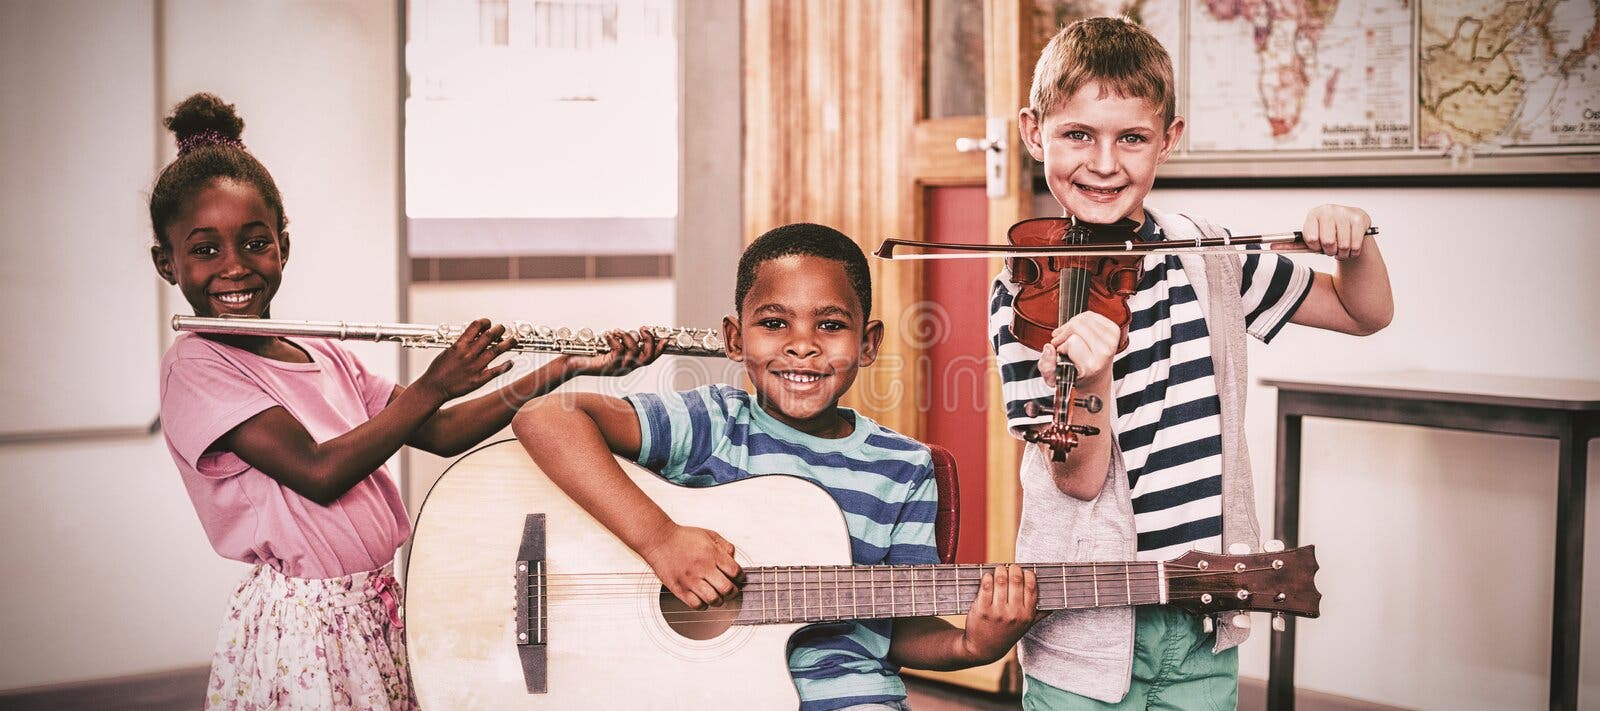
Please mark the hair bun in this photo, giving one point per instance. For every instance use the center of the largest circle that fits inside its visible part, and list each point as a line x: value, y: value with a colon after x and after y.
x: 203, y: 119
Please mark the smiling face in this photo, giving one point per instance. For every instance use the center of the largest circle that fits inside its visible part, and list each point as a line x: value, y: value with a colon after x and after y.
x: 1100, y: 152
x: 801, y: 336
x: 224, y: 252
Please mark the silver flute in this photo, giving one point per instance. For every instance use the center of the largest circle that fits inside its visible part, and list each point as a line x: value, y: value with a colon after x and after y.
x: 531, y: 338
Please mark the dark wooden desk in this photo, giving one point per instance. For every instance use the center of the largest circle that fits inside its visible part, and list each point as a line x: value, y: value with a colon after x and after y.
x: 1565, y: 410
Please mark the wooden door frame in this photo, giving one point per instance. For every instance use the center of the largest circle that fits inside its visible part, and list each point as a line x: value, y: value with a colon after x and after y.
x: 1007, y: 72
x: 934, y: 163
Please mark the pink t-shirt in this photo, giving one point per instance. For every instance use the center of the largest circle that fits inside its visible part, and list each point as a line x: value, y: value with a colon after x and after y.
x: 208, y: 388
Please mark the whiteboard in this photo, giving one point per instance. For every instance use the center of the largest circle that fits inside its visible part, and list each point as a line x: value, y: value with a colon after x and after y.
x: 80, y: 306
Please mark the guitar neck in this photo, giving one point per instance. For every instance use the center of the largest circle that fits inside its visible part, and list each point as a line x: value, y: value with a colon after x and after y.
x: 774, y: 595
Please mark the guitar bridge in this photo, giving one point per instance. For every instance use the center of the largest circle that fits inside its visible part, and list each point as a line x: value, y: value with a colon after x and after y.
x: 532, y: 606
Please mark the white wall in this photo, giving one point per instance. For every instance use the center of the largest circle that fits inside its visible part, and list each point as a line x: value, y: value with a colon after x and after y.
x: 106, y: 571
x: 44, y: 66
x: 1436, y: 547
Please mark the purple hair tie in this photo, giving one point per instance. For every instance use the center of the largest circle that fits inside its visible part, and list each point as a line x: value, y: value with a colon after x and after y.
x: 206, y: 138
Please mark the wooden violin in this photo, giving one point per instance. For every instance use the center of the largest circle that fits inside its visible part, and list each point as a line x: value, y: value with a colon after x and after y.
x: 1064, y: 267
x: 1055, y: 288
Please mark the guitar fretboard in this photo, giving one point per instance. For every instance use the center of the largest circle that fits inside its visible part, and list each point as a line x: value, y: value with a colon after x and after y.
x: 827, y: 593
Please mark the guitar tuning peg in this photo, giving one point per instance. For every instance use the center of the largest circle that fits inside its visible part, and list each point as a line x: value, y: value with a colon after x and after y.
x: 1273, y: 546
x: 1206, y: 625
x: 1241, y: 620
x: 1239, y: 549
x: 1278, y: 625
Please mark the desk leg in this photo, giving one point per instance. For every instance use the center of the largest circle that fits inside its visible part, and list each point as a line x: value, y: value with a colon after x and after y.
x: 1286, y: 528
x: 1570, y: 486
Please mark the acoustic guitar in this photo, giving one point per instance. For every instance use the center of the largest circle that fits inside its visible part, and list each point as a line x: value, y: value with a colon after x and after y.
x: 518, y: 599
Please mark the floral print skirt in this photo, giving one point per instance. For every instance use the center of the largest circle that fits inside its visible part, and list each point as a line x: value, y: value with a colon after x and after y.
x: 300, y: 643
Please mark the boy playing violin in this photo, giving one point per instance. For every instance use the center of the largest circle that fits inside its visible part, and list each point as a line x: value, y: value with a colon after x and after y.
x: 1169, y: 471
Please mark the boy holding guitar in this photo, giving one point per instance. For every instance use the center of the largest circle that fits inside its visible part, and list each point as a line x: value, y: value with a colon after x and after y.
x: 801, y: 330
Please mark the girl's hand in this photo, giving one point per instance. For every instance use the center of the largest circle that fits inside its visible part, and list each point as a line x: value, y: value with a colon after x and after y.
x: 629, y: 351
x: 1336, y: 230
x: 1002, y: 612
x: 1089, y: 341
x: 464, y: 366
x: 697, y: 565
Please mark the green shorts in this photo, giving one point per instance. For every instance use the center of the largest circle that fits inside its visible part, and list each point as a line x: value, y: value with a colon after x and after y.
x: 1173, y: 668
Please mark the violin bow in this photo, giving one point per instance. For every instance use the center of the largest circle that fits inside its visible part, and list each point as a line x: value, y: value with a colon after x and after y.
x: 1293, y: 241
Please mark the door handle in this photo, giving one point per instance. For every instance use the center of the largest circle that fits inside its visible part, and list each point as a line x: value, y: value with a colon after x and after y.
x: 970, y: 145
x: 993, y: 146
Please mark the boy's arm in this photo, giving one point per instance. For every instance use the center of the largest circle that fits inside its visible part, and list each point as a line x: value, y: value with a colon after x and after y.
x: 457, y: 428
x: 1028, y: 376
x: 572, y: 438
x: 1089, y: 341
x: 1002, y: 611
x: 1356, y: 298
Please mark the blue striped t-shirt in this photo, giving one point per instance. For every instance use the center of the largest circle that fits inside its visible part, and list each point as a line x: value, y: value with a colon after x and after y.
x: 882, y: 480
x: 1167, y: 414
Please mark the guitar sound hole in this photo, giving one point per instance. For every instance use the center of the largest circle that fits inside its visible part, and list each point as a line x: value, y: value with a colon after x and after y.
x: 698, y: 624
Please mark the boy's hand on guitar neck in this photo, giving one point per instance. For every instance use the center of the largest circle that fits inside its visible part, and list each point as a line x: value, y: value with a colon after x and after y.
x: 1005, y: 607
x: 696, y: 564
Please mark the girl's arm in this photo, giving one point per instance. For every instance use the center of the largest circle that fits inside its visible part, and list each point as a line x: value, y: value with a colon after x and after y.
x: 572, y: 438
x: 1001, y: 613
x: 279, y: 445
x: 455, y: 429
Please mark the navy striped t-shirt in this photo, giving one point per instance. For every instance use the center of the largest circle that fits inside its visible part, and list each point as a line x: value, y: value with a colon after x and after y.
x: 882, y: 480
x: 1167, y: 416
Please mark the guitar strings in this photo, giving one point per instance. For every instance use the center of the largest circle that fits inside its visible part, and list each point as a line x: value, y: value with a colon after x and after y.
x: 1107, y: 569
x: 1146, y: 583
x: 631, y: 583
x: 756, y: 575
x: 782, y: 614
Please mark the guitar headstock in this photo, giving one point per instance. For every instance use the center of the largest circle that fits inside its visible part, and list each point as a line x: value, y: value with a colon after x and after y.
x: 1281, y: 581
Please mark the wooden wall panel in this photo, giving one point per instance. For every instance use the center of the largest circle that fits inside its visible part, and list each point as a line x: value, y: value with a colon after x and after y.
x: 1008, y: 70
x: 828, y: 117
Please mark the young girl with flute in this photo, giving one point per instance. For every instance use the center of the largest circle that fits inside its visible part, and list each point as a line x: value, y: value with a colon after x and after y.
x: 281, y: 442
